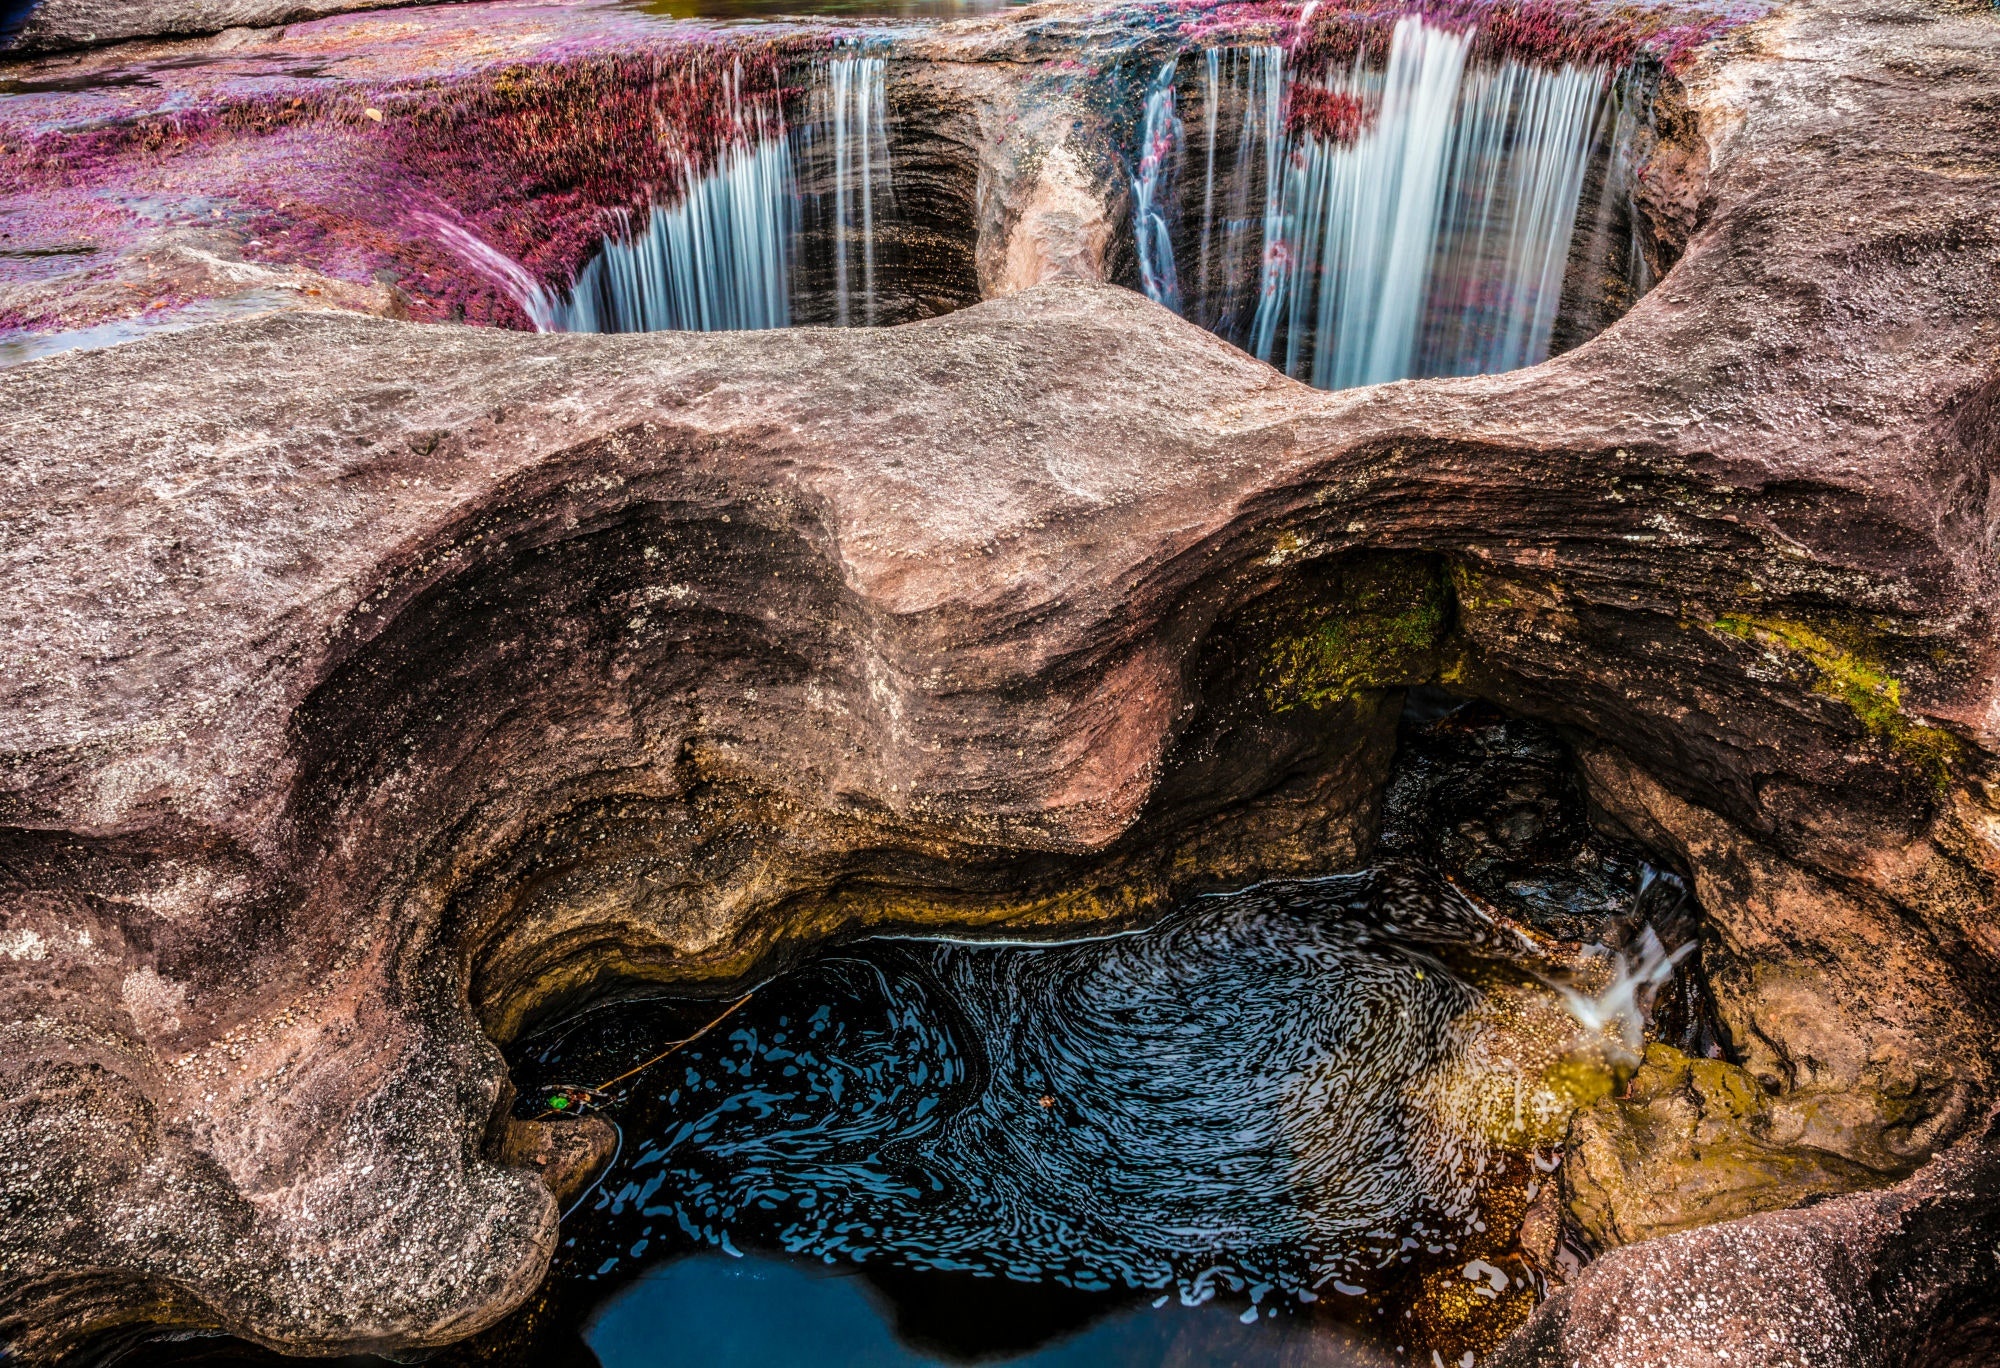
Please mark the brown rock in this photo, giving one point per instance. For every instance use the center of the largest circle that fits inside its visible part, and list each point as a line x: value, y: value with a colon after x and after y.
x: 1691, y: 1142
x: 56, y: 25
x: 1894, y: 1279
x: 568, y: 1153
x: 373, y: 689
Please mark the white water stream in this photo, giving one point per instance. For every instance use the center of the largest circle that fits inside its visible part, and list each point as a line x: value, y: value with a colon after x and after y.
x: 718, y: 260
x: 723, y: 256
x: 856, y: 111
x: 1434, y: 243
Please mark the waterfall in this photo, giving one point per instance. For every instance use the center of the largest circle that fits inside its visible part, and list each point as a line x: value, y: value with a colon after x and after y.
x: 1253, y: 79
x: 1435, y: 242
x: 1367, y: 217
x: 514, y: 279
x: 1524, y: 138
x: 1159, y: 145
x: 725, y: 254
x: 716, y: 261
x: 856, y: 111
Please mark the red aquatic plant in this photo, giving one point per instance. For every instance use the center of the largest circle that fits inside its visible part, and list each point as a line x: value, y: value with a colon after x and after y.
x: 1332, y: 116
x: 1321, y: 36
x: 534, y: 160
x: 84, y: 155
x: 538, y: 158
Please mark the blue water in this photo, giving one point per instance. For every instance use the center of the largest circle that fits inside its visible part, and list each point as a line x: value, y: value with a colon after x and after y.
x: 13, y: 14
x: 1217, y: 1140
x: 713, y: 1311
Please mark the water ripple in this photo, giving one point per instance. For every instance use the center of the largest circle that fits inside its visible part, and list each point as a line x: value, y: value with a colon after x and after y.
x: 1242, y: 1097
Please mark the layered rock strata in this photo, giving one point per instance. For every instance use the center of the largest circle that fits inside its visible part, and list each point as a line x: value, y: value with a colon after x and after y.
x: 375, y: 689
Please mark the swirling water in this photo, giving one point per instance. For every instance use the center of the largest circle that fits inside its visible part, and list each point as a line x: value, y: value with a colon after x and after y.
x: 1216, y: 1102
x: 1245, y: 1104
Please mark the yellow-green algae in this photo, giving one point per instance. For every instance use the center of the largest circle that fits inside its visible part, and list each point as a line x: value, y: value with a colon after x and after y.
x: 1380, y: 628
x: 1691, y: 1142
x: 1860, y: 681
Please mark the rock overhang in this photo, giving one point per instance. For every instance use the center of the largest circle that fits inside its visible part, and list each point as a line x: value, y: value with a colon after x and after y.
x: 334, y: 726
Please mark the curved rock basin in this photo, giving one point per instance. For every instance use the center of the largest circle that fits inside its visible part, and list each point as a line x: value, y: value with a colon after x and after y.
x: 376, y: 691
x: 1297, y: 1124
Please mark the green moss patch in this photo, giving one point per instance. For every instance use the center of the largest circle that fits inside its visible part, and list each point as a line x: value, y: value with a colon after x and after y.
x: 1857, y: 679
x: 1377, y: 624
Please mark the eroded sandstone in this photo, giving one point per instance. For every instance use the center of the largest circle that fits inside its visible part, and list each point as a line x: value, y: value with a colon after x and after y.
x: 376, y: 688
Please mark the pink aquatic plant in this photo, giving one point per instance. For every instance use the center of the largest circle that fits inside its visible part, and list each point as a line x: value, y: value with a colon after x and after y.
x: 535, y: 160
x: 1319, y: 36
x: 540, y: 158
x: 1332, y: 116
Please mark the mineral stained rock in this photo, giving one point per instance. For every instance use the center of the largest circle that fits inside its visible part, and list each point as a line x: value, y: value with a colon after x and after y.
x: 1891, y: 1279
x: 376, y: 688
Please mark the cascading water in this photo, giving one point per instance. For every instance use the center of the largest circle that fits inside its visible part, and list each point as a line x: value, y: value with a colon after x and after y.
x: 725, y: 254
x: 717, y: 261
x: 1429, y: 239
x: 1149, y: 217
x: 856, y: 116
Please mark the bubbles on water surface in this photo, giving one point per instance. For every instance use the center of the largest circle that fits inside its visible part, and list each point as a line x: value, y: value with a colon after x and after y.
x: 1242, y: 1098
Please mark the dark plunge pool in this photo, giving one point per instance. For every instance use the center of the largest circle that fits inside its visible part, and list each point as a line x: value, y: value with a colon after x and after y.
x: 1224, y: 1119
x: 754, y: 1311
x: 1294, y: 1125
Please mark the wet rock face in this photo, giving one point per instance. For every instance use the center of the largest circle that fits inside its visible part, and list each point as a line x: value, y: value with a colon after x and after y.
x: 1498, y: 801
x: 1689, y: 1142
x: 376, y: 689
x: 1889, y: 1279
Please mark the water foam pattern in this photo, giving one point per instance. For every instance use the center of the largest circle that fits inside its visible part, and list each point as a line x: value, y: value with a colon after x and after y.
x: 1240, y: 1098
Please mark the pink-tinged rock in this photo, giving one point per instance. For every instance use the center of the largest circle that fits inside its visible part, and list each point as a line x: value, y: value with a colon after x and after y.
x: 374, y: 686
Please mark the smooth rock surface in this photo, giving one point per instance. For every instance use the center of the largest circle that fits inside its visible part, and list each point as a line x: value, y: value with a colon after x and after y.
x: 375, y: 688
x: 54, y: 25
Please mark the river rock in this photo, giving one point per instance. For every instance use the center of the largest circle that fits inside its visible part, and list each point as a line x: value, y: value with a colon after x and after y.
x: 55, y: 25
x: 1904, y: 1276
x: 376, y: 689
x: 1691, y: 1141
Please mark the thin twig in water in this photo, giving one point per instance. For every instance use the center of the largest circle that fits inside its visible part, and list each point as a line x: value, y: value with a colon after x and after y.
x: 598, y: 1091
x: 677, y: 1045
